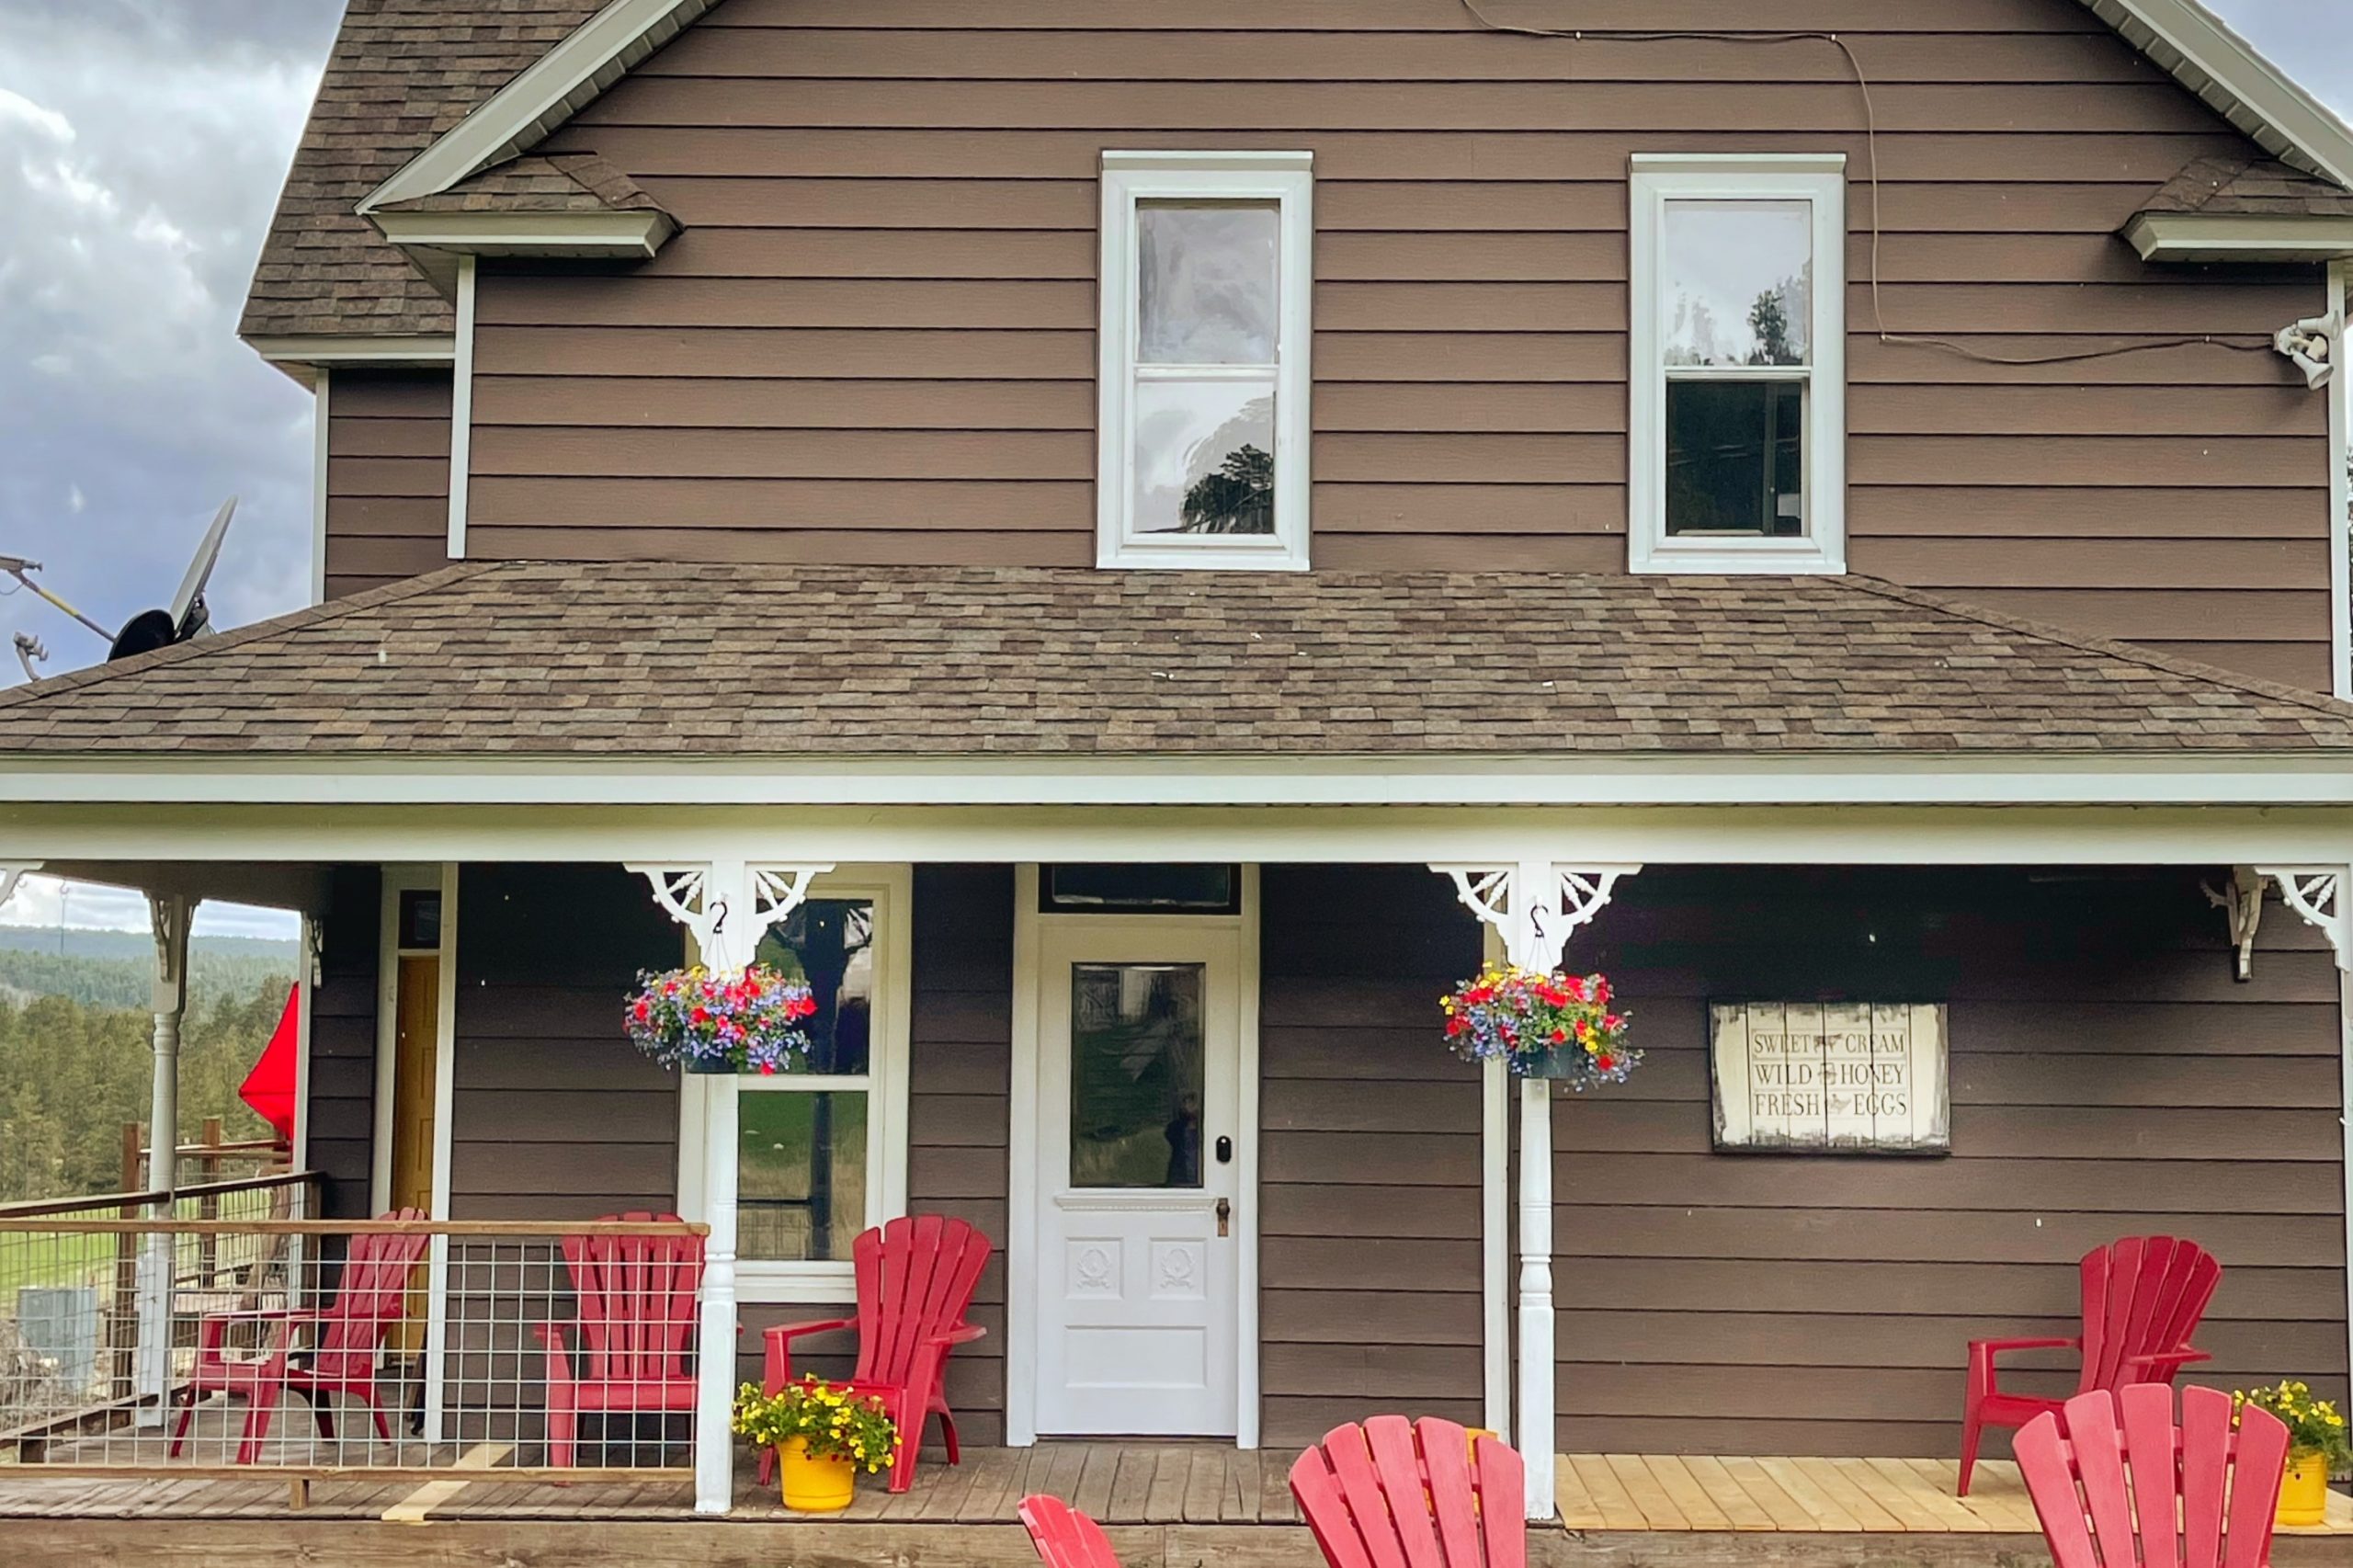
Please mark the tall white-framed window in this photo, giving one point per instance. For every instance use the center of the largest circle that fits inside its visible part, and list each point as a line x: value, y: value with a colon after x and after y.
x: 1206, y: 292
x: 822, y: 1149
x: 1737, y: 428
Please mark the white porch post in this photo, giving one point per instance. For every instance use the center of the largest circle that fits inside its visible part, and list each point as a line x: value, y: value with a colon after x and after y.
x: 728, y: 905
x: 1534, y: 905
x: 2322, y: 896
x: 153, y: 1369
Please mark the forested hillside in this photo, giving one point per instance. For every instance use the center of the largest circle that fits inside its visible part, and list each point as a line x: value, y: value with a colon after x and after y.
x: 76, y: 1066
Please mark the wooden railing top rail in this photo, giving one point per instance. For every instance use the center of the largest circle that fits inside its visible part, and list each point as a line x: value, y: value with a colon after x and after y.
x: 38, y: 1206
x: 11, y: 1223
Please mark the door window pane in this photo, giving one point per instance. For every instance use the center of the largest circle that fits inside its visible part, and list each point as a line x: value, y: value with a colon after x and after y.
x: 1735, y: 458
x: 1206, y: 283
x: 1739, y: 283
x: 1204, y: 458
x: 1135, y: 1076
x: 802, y: 1186
x: 829, y: 943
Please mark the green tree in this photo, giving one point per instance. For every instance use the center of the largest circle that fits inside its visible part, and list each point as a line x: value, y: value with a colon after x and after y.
x: 1770, y: 322
x: 1237, y: 498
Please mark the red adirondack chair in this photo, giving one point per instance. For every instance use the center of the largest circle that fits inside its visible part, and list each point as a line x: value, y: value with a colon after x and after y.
x: 637, y: 1313
x: 344, y: 1339
x: 1393, y: 1494
x: 2183, y: 1480
x: 2142, y: 1300
x: 1065, y: 1537
x: 916, y: 1277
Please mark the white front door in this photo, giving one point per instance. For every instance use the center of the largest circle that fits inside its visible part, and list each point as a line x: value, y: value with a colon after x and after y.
x: 1138, y: 1045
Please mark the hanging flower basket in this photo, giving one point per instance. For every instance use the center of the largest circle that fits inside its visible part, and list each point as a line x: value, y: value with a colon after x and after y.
x: 1542, y: 1025
x: 711, y: 1023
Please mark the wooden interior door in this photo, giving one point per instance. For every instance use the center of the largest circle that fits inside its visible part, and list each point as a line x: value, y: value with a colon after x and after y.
x: 416, y: 1037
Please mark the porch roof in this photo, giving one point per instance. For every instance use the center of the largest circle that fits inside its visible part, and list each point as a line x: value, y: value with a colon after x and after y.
x: 625, y: 660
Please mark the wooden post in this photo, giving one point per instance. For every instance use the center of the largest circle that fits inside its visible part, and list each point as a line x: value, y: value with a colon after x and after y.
x: 207, y: 1171
x: 123, y: 1321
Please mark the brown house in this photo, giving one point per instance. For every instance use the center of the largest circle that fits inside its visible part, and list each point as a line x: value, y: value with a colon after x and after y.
x: 1179, y: 528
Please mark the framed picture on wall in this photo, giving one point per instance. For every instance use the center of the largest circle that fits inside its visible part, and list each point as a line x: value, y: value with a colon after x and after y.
x: 1829, y: 1077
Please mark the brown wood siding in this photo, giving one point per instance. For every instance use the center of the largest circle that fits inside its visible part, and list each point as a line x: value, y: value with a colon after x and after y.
x: 553, y: 1114
x: 875, y: 342
x: 2108, y: 1078
x: 342, y: 1084
x: 388, y: 476
x: 1368, y: 1153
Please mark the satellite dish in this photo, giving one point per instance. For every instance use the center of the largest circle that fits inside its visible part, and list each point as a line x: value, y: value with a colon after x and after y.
x: 186, y: 617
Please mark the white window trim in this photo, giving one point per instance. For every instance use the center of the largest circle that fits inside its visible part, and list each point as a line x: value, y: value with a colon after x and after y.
x: 1821, y: 180
x: 1287, y: 179
x: 891, y: 891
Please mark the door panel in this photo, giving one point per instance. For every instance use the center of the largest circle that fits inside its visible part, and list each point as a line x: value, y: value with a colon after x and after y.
x: 1139, y: 1047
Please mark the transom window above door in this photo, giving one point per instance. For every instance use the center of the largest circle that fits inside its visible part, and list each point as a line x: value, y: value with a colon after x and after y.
x: 1204, y: 358
x: 1738, y: 418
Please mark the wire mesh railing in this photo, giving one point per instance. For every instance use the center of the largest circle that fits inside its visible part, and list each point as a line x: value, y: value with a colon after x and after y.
x: 243, y: 1341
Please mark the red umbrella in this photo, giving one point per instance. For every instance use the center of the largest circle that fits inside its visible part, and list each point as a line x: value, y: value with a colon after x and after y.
x: 269, y: 1087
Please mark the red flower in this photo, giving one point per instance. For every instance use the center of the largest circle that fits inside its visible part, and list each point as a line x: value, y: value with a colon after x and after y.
x: 1456, y: 1025
x: 1612, y: 1022
x: 701, y: 1014
x: 1575, y: 989
x: 1604, y: 1062
x: 1559, y: 1036
x: 643, y: 1010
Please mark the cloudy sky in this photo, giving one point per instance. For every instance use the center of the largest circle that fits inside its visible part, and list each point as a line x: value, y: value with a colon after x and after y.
x: 141, y: 143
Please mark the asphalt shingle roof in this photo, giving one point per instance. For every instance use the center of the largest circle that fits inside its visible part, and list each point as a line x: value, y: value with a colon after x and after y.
x: 401, y: 73
x: 559, y: 182
x: 637, y: 660
x: 2250, y: 184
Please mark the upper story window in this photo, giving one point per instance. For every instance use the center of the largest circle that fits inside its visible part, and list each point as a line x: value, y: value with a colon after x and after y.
x: 1738, y: 424
x: 1204, y: 373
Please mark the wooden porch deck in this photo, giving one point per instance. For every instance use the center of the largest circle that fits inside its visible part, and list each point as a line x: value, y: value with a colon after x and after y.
x: 1167, y: 1505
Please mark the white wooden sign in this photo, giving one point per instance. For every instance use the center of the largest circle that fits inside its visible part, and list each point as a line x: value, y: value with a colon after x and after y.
x: 1862, y: 1077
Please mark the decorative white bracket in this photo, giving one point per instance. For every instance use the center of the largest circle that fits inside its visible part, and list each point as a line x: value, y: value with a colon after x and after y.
x: 1535, y: 905
x: 2318, y: 894
x: 11, y: 873
x: 728, y: 905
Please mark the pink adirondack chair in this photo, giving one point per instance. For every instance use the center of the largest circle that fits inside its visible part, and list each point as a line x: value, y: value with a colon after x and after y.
x: 1395, y: 1493
x: 2184, y: 1481
x: 2142, y: 1300
x: 1065, y: 1537
x: 343, y: 1341
x: 637, y: 1313
x: 916, y: 1278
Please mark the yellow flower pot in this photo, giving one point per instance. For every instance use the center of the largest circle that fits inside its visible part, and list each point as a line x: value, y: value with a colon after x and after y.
x: 814, y: 1484
x: 2303, y: 1496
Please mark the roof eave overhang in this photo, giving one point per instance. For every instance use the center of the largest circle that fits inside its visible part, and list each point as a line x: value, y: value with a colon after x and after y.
x: 434, y: 241
x: 544, y: 94
x: 302, y: 355
x: 2194, y: 46
x: 2223, y: 237
x: 2304, y: 778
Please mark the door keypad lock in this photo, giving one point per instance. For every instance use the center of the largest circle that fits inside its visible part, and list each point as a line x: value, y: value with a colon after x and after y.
x: 1225, y: 1151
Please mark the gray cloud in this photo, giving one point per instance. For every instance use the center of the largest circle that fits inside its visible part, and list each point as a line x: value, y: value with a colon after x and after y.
x: 141, y: 143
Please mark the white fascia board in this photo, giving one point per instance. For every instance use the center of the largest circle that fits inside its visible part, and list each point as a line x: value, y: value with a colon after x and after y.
x: 2324, y: 780
x: 2201, y: 52
x: 308, y: 350
x: 633, y: 236
x: 545, y: 94
x: 2240, y: 236
x: 1881, y: 836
